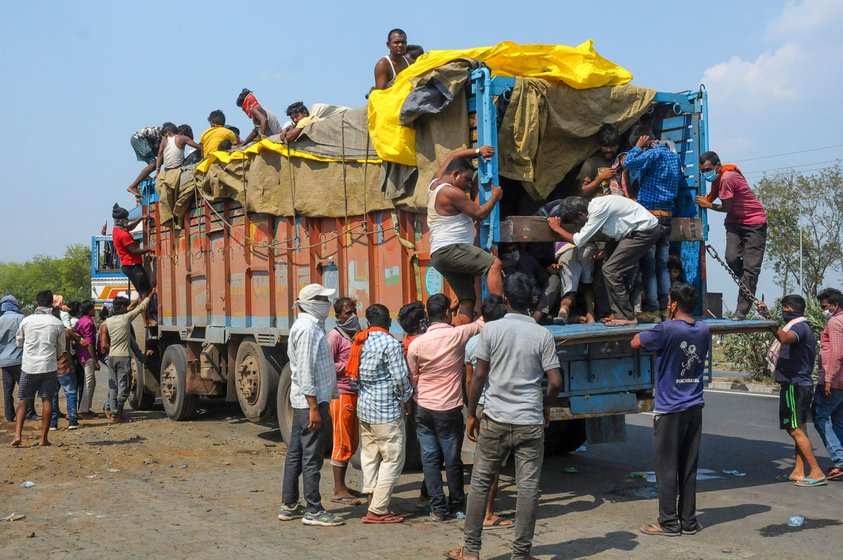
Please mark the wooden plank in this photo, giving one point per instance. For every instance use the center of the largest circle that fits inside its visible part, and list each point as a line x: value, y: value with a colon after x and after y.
x: 526, y: 228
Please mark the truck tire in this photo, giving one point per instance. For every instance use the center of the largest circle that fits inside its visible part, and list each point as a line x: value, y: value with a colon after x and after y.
x: 285, y: 412
x: 256, y: 380
x: 177, y: 403
x: 564, y: 436
x: 139, y: 397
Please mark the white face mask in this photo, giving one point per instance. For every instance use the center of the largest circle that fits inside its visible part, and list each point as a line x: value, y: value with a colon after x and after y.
x: 828, y: 313
x: 319, y: 309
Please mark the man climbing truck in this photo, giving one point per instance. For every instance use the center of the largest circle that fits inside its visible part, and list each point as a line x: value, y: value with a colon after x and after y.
x: 237, y: 238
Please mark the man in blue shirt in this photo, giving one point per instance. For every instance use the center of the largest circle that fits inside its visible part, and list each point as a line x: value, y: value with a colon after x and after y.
x: 659, y: 175
x: 682, y: 345
x: 793, y: 357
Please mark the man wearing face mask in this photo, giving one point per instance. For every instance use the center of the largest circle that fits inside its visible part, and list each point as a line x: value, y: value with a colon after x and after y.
x: 346, y: 426
x: 314, y: 385
x: 746, y: 223
x: 827, y: 407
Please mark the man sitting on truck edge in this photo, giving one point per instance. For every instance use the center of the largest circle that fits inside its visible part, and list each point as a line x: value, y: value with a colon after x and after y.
x: 388, y: 67
x: 792, y: 358
x: 682, y: 345
x: 513, y: 355
x: 827, y: 407
x: 436, y: 361
x: 746, y: 223
x: 633, y: 228
x: 314, y: 385
x: 450, y: 217
x: 217, y: 133
x: 377, y: 364
x: 265, y: 121
x: 659, y: 182
x: 345, y: 424
x: 130, y: 253
x: 145, y: 143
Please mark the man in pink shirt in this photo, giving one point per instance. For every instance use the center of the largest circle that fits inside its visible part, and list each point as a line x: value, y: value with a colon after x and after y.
x: 345, y: 424
x: 827, y: 408
x: 746, y: 223
x: 437, y: 362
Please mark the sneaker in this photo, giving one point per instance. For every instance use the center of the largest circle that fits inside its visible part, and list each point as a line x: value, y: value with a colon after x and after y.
x: 53, y: 428
x: 649, y: 317
x: 287, y: 514
x: 73, y: 426
x: 322, y: 519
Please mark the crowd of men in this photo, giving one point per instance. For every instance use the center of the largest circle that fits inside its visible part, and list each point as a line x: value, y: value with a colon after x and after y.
x: 169, y: 146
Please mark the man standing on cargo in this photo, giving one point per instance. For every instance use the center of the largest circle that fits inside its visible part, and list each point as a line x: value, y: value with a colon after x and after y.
x: 450, y: 217
x: 746, y: 223
x: 345, y: 424
x: 633, y: 228
x: 376, y: 363
x: 314, y: 385
x: 659, y: 176
x: 436, y: 360
x: 388, y: 67
x: 682, y: 345
x: 514, y: 354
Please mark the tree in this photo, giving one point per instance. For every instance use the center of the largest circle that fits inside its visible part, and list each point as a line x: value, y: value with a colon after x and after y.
x: 810, y: 204
x: 69, y: 276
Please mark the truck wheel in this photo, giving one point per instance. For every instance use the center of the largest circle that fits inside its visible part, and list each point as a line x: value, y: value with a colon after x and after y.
x: 285, y: 412
x: 177, y: 403
x: 564, y: 436
x: 256, y: 379
x: 139, y: 397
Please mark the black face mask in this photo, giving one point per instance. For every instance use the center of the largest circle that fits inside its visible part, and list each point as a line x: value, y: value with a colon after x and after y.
x: 790, y: 315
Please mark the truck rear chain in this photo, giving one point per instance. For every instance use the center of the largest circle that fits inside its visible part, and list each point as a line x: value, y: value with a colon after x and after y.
x: 747, y: 293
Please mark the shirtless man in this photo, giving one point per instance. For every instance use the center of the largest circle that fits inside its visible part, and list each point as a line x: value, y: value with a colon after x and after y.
x: 388, y: 67
x: 451, y: 216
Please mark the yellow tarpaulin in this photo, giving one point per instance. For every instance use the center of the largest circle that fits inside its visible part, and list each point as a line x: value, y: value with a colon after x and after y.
x: 579, y: 67
x: 266, y: 144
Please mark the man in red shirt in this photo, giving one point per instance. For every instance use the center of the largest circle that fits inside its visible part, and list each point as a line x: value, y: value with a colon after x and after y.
x: 129, y: 252
x: 746, y: 223
x: 827, y: 407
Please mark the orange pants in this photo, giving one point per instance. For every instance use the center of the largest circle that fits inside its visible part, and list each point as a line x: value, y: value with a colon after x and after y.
x: 346, y: 429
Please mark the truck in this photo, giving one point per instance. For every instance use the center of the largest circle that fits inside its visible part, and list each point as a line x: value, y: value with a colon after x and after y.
x: 227, y: 279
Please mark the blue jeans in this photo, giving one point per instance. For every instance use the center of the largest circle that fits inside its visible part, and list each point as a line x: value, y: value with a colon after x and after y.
x: 68, y: 385
x: 655, y: 277
x: 440, y: 439
x: 828, y: 420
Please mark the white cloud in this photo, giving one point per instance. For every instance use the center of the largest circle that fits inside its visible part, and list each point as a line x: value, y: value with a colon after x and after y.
x: 805, y: 19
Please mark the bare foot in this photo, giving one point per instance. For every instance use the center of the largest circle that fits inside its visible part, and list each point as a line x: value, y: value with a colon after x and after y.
x: 589, y: 318
x: 621, y: 322
x: 45, y: 443
x: 16, y: 442
x: 608, y: 318
x: 134, y: 191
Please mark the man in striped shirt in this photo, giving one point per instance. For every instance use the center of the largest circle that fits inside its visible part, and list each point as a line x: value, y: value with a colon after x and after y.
x: 384, y: 394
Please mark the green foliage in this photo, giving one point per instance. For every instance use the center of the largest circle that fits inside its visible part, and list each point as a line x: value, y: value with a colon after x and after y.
x: 747, y: 352
x: 810, y: 204
x: 69, y: 276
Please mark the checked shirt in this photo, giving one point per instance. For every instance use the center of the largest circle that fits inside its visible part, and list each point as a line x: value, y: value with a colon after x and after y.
x: 383, y: 380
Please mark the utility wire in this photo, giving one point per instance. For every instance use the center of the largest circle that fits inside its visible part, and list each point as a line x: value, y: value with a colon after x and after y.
x: 790, y: 153
x: 759, y: 171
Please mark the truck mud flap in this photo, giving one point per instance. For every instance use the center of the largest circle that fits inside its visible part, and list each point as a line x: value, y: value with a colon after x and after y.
x: 604, y: 404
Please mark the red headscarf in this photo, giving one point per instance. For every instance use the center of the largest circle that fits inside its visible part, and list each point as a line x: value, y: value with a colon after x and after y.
x: 249, y: 104
x: 352, y: 370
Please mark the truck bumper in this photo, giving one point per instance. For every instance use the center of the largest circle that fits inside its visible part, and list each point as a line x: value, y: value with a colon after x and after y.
x: 600, y: 405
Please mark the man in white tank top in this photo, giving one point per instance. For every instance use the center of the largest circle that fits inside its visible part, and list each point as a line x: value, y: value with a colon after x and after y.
x: 388, y: 67
x: 451, y: 216
x: 171, y: 150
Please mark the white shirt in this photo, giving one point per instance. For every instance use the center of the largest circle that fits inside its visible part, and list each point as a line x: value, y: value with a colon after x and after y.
x: 615, y: 216
x: 42, y: 338
x: 311, y: 363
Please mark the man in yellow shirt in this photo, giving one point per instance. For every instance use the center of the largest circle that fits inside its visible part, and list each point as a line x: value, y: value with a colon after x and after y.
x: 212, y: 137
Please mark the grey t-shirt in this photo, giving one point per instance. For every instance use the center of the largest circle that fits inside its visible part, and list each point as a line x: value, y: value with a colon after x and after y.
x: 519, y: 351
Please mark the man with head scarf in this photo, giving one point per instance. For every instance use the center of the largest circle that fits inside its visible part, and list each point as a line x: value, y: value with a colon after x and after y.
x: 314, y: 385
x: 129, y: 252
x: 265, y: 121
x: 11, y: 355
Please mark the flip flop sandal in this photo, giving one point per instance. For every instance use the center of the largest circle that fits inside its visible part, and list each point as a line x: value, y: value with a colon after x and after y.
x: 658, y: 530
x: 455, y: 553
x: 834, y: 473
x: 785, y: 478
x: 347, y: 501
x: 499, y: 523
x: 386, y: 520
x: 809, y: 482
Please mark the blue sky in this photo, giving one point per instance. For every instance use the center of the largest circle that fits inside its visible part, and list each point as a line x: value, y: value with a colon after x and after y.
x: 79, y: 78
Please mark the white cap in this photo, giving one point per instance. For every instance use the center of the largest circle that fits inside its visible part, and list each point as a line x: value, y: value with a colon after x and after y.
x: 312, y: 291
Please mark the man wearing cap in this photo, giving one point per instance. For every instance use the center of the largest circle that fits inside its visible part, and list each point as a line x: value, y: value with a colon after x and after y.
x: 129, y: 252
x: 265, y: 121
x: 314, y: 385
x: 11, y: 356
